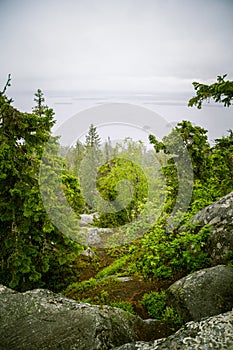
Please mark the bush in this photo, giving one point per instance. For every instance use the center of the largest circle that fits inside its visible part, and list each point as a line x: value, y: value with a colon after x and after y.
x: 155, y: 303
x: 161, y: 254
x: 124, y: 305
x: 156, y: 306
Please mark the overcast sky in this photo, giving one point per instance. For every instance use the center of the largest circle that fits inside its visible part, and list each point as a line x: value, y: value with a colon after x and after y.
x: 134, y: 45
x: 154, y: 48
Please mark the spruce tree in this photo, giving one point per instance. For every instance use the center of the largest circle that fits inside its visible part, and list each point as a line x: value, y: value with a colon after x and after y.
x: 32, y: 249
x: 89, y: 167
x: 92, y: 138
x: 221, y: 91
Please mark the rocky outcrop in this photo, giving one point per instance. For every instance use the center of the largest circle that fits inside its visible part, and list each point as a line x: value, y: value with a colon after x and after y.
x: 206, y: 296
x: 87, y: 219
x: 215, y: 332
x: 88, y: 253
x: 203, y: 293
x: 219, y: 216
x: 93, y: 236
x: 40, y: 319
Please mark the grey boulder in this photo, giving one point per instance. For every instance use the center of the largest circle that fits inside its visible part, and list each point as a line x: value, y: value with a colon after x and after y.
x: 218, y: 215
x: 204, y: 293
x: 40, y: 319
x: 213, y: 333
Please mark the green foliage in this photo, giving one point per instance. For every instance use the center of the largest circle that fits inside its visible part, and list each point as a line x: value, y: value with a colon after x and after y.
x: 82, y: 286
x: 124, y: 305
x: 185, y: 159
x: 155, y: 303
x: 170, y: 315
x: 90, y: 284
x: 196, y: 143
x: 128, y: 185
x: 36, y: 254
x: 203, y: 195
x: 87, y: 170
x: 162, y: 254
x: 72, y: 192
x: 103, y: 297
x: 74, y: 156
x: 92, y: 139
x: 40, y: 109
x: 122, y: 183
x: 221, y: 91
x: 8, y: 84
x: 98, y: 291
x: 194, y: 140
x: 32, y: 248
x: 117, y: 266
x: 229, y: 259
x: 222, y: 165
x: 156, y: 306
x: 212, y: 167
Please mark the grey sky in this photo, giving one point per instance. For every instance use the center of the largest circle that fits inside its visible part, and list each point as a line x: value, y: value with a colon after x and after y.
x: 134, y: 45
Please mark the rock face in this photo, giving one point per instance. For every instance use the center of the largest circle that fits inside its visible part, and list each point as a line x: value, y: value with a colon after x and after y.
x: 94, y: 236
x: 40, y: 319
x: 215, y: 332
x: 88, y: 253
x: 87, y: 219
x: 219, y: 215
x: 204, y: 293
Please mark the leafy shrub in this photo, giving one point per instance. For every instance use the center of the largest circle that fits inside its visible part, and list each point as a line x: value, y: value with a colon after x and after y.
x: 115, y: 267
x: 161, y: 253
x: 156, y: 306
x: 124, y: 305
x: 172, y: 316
x: 155, y: 303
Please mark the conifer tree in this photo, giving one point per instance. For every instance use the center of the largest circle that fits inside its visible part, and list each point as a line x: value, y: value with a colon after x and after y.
x: 221, y: 91
x: 32, y: 249
x: 89, y: 167
x: 92, y: 138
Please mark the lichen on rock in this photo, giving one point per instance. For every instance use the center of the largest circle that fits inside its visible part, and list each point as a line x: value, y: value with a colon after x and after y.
x: 215, y: 332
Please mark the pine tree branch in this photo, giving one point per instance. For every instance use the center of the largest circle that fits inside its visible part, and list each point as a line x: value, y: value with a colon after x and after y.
x: 8, y: 84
